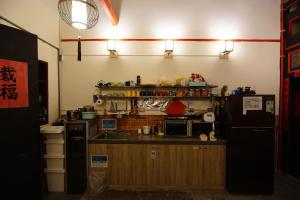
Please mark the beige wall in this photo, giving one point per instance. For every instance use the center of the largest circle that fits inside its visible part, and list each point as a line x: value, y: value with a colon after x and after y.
x: 41, y: 18
x: 254, y: 64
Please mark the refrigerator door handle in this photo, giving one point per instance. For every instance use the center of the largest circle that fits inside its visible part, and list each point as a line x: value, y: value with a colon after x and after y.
x: 77, y: 138
x: 259, y: 130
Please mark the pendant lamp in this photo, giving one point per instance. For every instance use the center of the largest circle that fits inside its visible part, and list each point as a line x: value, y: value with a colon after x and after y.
x: 80, y: 14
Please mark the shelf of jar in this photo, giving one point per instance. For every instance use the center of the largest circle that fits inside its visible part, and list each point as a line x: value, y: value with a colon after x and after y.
x: 203, y: 122
x: 155, y: 87
x: 144, y: 97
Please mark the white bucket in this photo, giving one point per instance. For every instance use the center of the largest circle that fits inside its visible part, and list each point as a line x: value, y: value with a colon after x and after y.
x: 54, y: 146
x: 55, y: 179
x: 54, y: 161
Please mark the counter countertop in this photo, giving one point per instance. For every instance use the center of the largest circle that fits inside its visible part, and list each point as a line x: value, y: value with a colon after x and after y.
x: 145, y: 139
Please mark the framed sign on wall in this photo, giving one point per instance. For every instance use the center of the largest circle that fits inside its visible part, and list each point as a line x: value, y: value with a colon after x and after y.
x: 13, y: 84
x: 294, y: 61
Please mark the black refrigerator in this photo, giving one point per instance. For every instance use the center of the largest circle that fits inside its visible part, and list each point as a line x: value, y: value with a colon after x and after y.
x: 248, y: 123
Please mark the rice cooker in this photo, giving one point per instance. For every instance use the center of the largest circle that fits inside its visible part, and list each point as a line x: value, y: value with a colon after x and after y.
x: 209, y: 117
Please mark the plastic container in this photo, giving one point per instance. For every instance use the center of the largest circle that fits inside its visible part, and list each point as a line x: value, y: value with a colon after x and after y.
x: 146, y: 130
x: 52, y: 132
x: 54, y: 161
x: 88, y: 115
x: 55, y: 180
x: 54, y: 146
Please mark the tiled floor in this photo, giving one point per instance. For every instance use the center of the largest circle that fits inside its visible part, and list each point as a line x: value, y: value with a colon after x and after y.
x: 286, y: 188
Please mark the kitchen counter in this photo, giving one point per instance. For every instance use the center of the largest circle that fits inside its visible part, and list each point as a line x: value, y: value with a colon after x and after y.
x: 146, y: 161
x: 150, y: 139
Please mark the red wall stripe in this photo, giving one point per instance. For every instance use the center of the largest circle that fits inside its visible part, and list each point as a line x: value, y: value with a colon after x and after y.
x: 160, y: 39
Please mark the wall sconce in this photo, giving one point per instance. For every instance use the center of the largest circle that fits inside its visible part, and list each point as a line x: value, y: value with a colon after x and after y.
x: 111, y: 47
x: 227, y: 49
x: 169, y: 47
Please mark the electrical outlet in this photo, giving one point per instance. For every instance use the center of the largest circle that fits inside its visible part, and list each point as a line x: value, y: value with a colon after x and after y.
x: 153, y: 154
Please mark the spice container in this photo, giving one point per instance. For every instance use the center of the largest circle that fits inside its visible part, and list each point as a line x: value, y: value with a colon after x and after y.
x: 138, y: 80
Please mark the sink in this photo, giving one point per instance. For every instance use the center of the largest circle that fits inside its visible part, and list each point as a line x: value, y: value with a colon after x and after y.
x: 113, y: 136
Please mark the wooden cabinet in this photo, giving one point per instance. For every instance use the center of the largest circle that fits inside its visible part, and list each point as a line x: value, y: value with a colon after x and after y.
x: 200, y: 165
x: 163, y: 165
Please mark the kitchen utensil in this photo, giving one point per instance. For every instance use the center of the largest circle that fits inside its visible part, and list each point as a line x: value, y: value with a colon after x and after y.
x: 98, y: 101
x: 89, y: 108
x: 161, y: 134
x: 176, y: 108
x: 112, y: 107
x: 209, y: 117
x: 72, y: 115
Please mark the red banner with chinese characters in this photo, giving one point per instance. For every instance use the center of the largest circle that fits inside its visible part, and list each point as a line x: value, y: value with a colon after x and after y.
x: 13, y: 84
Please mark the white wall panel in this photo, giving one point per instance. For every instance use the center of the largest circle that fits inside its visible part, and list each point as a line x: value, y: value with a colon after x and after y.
x: 251, y: 63
x: 39, y: 17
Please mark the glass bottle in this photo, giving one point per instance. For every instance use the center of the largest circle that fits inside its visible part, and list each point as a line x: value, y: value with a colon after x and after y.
x: 138, y: 80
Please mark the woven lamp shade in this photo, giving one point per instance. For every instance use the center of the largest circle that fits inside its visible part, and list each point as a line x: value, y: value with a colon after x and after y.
x: 80, y: 14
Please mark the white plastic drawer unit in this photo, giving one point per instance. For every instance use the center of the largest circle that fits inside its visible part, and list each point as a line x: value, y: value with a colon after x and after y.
x: 52, y: 132
x: 54, y: 161
x: 54, y: 146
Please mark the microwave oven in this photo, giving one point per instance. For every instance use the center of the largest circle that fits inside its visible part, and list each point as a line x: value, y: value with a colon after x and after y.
x: 178, y: 127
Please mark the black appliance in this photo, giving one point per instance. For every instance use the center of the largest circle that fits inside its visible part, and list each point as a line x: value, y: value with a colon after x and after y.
x: 178, y: 127
x: 77, y: 135
x: 249, y: 127
x: 20, y: 138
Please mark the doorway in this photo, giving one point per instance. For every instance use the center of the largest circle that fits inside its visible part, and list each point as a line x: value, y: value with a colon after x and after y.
x: 294, y: 130
x: 43, y: 92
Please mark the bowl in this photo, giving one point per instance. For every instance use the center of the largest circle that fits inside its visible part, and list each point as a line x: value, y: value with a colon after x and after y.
x: 88, y: 115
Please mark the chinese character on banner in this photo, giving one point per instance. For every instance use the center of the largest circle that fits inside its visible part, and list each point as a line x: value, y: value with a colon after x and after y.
x: 13, y: 84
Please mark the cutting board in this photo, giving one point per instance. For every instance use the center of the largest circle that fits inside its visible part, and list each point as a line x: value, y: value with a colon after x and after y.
x: 176, y: 108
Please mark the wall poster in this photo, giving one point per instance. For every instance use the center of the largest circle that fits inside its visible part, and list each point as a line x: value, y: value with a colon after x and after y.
x: 13, y: 84
x: 252, y: 103
x: 99, y: 161
x: 294, y: 61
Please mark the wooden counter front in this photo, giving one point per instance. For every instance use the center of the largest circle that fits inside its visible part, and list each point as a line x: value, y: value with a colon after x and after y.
x: 162, y: 165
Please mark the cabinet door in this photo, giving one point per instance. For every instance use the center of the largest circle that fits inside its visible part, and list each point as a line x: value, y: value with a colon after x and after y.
x: 196, y: 163
x: 119, y: 165
x: 162, y: 161
x: 183, y: 164
x: 213, y: 165
x: 200, y: 165
x: 139, y: 164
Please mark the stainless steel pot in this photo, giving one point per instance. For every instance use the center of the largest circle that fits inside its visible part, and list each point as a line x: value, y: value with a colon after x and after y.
x: 73, y: 115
